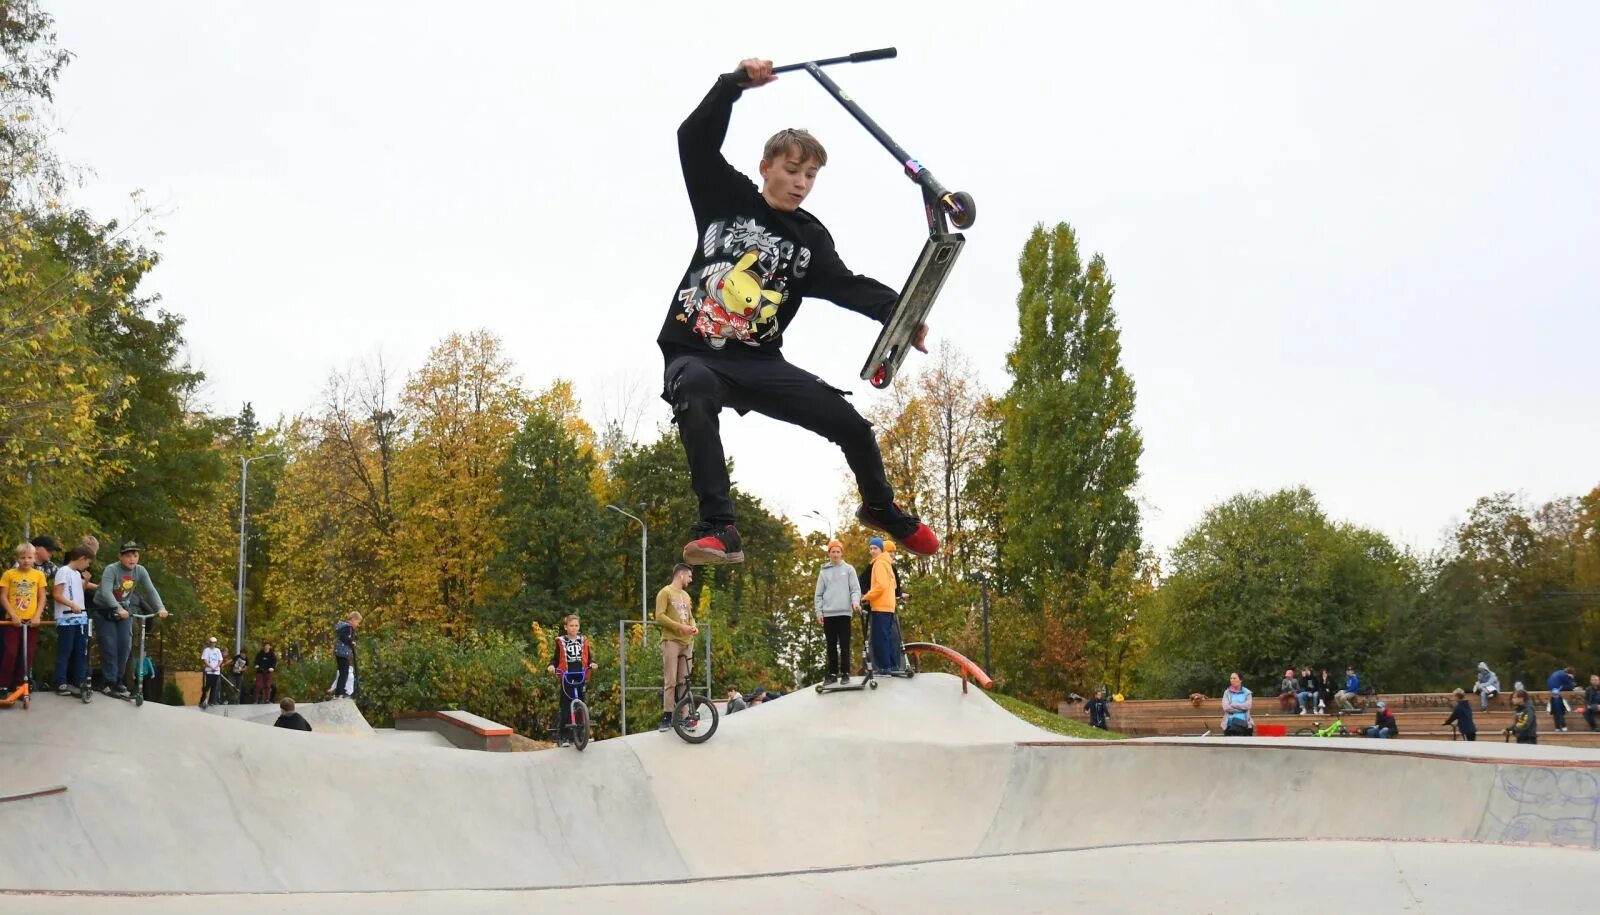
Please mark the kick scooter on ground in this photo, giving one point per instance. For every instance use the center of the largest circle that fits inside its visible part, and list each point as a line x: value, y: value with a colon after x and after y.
x: 22, y: 692
x: 143, y: 670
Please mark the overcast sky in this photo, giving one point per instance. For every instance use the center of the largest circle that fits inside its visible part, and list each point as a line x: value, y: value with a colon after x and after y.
x: 1353, y: 244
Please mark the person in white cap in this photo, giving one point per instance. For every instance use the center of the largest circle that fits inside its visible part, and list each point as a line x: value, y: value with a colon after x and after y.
x: 211, y: 683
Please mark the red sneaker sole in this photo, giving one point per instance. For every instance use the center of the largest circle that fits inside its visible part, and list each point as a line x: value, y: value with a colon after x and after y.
x: 708, y: 556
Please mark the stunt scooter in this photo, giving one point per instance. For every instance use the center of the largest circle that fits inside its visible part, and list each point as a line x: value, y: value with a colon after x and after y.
x: 940, y: 250
x: 23, y: 692
x: 144, y: 670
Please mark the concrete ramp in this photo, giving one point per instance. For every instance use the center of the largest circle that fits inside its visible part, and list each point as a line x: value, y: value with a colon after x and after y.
x: 914, y: 771
x: 336, y: 716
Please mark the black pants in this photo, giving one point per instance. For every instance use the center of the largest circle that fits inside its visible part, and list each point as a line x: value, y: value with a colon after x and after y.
x: 344, y: 676
x: 210, y: 689
x: 1590, y: 714
x: 699, y: 385
x: 837, y: 630
x: 1558, y: 711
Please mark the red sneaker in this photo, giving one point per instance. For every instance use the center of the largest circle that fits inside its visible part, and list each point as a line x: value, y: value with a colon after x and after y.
x: 907, y: 530
x: 718, y: 544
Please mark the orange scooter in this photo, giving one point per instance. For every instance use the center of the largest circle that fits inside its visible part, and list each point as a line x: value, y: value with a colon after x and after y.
x: 25, y: 688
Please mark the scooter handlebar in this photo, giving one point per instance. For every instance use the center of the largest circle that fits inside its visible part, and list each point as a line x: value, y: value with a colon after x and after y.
x: 858, y: 57
x: 880, y: 54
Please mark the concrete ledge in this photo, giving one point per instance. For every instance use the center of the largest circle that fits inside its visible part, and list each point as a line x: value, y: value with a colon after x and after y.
x: 463, y: 729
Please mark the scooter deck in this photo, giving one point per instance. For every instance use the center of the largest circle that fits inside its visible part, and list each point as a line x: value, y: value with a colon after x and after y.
x: 854, y: 687
x: 933, y: 266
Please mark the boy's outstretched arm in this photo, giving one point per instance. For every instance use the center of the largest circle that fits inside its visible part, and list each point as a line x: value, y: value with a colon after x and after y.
x: 832, y: 280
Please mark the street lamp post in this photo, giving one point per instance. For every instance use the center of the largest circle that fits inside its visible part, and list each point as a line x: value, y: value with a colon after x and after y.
x: 825, y: 522
x: 644, y: 547
x: 982, y: 578
x: 244, y: 479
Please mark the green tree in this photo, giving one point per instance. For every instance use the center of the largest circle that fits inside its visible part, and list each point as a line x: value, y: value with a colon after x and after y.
x: 1071, y: 449
x: 549, y: 512
x: 1266, y: 581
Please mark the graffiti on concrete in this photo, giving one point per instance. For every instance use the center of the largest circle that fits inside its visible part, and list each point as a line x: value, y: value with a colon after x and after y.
x: 1543, y: 805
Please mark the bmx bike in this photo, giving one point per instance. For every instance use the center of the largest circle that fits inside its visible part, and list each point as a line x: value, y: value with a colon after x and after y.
x: 694, y: 716
x: 577, y: 723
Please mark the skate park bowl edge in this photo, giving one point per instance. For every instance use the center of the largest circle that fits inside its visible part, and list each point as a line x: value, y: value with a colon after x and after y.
x: 915, y: 771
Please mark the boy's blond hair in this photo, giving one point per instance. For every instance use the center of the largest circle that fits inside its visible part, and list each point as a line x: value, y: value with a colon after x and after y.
x: 23, y: 548
x: 797, y: 141
x: 570, y: 618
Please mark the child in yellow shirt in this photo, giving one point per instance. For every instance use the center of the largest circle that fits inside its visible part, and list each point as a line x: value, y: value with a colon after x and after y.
x: 22, y: 594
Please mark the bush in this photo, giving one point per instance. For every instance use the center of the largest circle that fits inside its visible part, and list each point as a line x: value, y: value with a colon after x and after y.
x: 487, y: 674
x: 171, y: 694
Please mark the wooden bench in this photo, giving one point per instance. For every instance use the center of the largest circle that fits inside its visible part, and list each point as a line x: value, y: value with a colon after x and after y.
x: 463, y: 729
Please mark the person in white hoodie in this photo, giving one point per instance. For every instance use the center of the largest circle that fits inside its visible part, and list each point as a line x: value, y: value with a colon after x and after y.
x: 211, y: 683
x: 838, y: 596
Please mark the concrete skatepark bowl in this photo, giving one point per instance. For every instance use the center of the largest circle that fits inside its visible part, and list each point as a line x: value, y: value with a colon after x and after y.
x: 917, y: 796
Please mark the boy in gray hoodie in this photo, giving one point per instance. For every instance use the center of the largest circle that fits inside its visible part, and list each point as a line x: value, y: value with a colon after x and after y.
x: 125, y: 589
x: 838, y: 596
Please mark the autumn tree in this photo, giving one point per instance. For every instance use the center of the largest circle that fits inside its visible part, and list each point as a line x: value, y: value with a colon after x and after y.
x: 461, y: 410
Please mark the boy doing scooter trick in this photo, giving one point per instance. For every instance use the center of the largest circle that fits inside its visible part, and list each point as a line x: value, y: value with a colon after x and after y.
x: 757, y: 255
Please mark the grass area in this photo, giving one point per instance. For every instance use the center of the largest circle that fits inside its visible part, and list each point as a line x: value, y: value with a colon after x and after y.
x: 1050, y: 721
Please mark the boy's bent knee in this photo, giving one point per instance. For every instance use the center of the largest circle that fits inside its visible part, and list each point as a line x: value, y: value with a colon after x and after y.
x: 690, y: 384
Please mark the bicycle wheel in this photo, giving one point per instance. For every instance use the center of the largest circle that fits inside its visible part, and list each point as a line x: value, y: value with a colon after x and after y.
x: 695, y: 719
x: 1306, y: 732
x: 580, y: 724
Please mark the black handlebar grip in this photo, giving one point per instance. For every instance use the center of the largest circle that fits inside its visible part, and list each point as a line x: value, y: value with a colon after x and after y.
x: 880, y: 54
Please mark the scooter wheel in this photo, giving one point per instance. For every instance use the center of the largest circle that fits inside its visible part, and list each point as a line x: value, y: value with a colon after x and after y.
x: 882, y: 377
x: 963, y: 210
x: 872, y: 684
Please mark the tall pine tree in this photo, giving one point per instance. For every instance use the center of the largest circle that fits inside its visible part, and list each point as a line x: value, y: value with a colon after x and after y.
x: 1071, y: 451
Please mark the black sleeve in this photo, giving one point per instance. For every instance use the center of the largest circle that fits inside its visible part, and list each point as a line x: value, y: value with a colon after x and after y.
x: 830, y: 279
x: 1455, y: 715
x: 707, y: 175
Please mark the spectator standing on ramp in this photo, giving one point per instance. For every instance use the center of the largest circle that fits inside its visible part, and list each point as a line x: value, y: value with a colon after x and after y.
x: 675, y: 619
x: 1461, y: 716
x: 266, y: 667
x: 211, y: 673
x: 126, y: 587
x: 72, y: 624
x: 344, y: 655
x: 837, y: 598
x: 880, y: 608
x: 23, y: 593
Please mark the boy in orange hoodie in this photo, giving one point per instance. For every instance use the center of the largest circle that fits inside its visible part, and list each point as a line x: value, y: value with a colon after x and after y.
x: 880, y: 601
